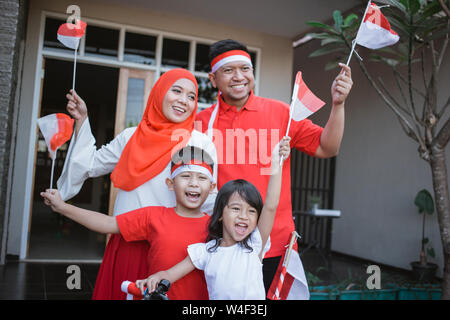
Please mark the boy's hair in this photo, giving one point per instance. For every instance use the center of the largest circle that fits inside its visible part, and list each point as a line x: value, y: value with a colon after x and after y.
x: 189, y: 153
x: 248, y: 192
x: 222, y: 46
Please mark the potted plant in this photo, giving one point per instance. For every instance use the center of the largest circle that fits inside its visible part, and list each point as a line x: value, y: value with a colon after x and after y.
x: 423, y: 270
x: 314, y: 202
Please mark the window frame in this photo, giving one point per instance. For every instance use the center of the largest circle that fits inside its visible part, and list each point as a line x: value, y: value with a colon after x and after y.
x: 119, y: 62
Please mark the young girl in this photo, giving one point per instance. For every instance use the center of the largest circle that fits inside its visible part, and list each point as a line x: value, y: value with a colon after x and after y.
x: 168, y: 231
x: 139, y: 159
x: 238, y: 239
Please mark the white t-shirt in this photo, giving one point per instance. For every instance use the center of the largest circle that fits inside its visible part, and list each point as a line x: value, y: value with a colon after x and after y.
x: 232, y: 273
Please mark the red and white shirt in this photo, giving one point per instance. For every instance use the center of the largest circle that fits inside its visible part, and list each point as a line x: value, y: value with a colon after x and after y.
x: 262, y: 122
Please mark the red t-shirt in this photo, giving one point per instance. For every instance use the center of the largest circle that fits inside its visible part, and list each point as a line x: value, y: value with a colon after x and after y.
x: 244, y: 152
x: 168, y: 235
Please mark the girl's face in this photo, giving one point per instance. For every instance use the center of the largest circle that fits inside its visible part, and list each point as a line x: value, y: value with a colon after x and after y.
x: 179, y: 101
x: 239, y: 219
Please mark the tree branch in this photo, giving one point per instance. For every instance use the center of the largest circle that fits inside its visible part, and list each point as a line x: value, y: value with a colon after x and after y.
x: 444, y: 7
x: 390, y: 96
x: 443, y: 135
x: 444, y: 108
x: 405, y: 121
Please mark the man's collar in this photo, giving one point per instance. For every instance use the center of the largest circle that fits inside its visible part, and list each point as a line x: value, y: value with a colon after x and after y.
x: 249, y: 105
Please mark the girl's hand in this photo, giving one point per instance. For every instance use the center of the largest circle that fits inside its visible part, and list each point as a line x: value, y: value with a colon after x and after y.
x: 76, y: 106
x: 281, y: 151
x: 285, y: 147
x: 151, y: 282
x: 52, y: 198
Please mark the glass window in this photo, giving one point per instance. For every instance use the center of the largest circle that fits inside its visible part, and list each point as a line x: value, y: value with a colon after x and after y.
x: 175, y: 54
x: 101, y: 42
x: 50, y: 35
x: 135, y: 100
x: 206, y: 92
x: 201, y: 58
x: 139, y: 48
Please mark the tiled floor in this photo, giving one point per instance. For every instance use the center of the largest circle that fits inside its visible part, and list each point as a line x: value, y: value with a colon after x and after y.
x: 45, y: 281
x: 48, y: 281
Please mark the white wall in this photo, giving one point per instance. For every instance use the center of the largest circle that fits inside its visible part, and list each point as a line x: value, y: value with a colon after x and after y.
x: 378, y: 170
x: 275, y: 68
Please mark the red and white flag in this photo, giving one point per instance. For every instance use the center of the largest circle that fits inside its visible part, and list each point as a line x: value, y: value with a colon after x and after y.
x: 56, y: 128
x: 70, y: 34
x: 304, y: 102
x: 133, y: 292
x: 375, y: 31
x: 290, y: 281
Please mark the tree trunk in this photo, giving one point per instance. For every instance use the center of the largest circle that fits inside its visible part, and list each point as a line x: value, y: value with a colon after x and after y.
x: 441, y: 198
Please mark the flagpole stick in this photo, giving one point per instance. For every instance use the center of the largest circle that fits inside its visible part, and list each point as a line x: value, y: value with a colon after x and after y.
x: 51, y: 174
x: 354, y: 41
x: 74, y: 69
x: 294, y: 237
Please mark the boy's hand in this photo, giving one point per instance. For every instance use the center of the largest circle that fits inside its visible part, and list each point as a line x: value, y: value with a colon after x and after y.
x: 76, y: 106
x: 341, y: 85
x: 151, y: 282
x: 53, y: 199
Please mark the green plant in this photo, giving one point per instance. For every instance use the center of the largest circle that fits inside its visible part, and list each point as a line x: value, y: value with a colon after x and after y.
x: 423, y: 27
x: 425, y: 204
x: 314, y: 200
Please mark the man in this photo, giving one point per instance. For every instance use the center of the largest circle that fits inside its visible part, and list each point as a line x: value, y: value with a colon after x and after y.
x: 245, y: 128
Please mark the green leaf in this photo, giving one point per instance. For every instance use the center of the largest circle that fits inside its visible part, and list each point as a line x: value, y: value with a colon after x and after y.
x: 398, y: 5
x: 414, y: 6
x: 326, y: 50
x: 425, y: 240
x: 337, y: 15
x: 431, y: 253
x: 424, y: 202
x: 321, y: 25
x: 351, y: 18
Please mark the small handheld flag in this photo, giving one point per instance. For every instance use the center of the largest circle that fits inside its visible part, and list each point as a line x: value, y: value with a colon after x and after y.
x: 304, y: 103
x: 56, y: 128
x: 375, y: 30
x: 70, y: 34
x: 133, y: 292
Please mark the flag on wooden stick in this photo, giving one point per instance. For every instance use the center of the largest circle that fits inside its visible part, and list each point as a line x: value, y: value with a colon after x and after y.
x: 70, y: 34
x: 375, y: 31
x: 56, y: 128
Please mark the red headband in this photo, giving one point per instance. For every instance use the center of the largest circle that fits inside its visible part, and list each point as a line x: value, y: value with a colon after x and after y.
x: 229, y: 56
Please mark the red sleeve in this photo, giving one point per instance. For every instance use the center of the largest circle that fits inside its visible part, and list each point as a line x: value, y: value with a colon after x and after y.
x: 305, y: 136
x: 202, y: 119
x: 135, y: 225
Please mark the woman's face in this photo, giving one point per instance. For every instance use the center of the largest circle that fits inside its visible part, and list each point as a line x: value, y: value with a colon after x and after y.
x: 179, y: 101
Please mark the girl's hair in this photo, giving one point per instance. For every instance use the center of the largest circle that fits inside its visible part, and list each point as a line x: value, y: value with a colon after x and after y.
x: 248, y: 192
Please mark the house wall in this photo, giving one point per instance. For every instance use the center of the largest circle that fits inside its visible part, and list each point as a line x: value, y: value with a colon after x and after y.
x: 378, y: 170
x: 274, y: 69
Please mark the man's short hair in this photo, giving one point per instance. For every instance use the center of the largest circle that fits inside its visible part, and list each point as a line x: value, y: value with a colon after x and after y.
x: 222, y: 46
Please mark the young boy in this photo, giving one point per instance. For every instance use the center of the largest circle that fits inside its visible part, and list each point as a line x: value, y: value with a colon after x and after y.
x: 168, y: 230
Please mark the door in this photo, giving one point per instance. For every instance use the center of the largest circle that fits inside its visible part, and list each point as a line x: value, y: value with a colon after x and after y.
x: 134, y: 89
x: 52, y: 236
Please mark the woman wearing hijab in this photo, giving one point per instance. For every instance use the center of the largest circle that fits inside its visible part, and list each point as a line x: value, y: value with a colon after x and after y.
x: 139, y: 159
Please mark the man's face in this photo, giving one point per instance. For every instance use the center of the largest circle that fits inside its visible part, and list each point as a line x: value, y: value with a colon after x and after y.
x: 235, y: 80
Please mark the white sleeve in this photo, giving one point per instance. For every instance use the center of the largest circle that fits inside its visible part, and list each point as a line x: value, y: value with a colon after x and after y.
x: 83, y: 160
x: 197, y: 253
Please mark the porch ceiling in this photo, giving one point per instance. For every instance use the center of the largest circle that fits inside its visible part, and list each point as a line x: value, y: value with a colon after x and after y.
x: 284, y: 18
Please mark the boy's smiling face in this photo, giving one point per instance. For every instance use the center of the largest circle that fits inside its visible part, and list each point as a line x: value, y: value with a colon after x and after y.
x: 191, y: 189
